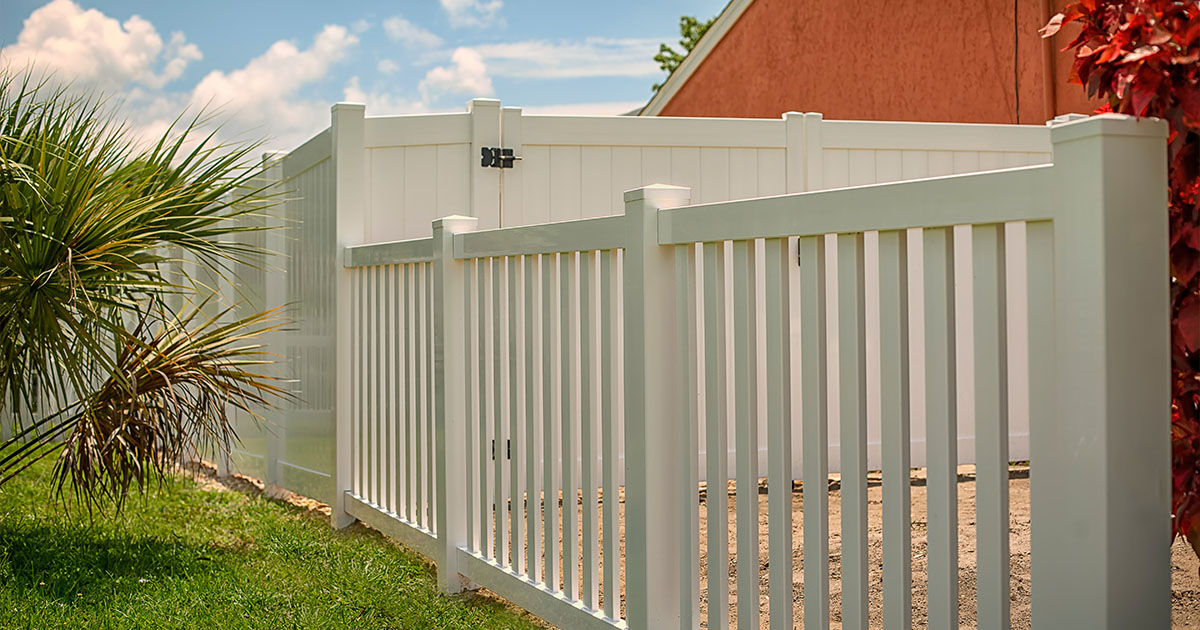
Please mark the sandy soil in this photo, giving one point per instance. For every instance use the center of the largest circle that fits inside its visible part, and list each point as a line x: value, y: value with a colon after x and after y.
x: 1185, y: 574
x: 1185, y: 583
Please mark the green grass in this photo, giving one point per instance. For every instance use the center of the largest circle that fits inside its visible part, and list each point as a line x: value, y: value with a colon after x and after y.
x: 183, y: 557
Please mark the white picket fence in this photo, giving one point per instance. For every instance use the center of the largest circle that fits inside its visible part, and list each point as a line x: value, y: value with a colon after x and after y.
x: 404, y: 171
x: 457, y: 386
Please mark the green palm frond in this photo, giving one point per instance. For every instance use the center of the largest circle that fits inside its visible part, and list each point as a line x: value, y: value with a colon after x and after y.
x: 94, y: 361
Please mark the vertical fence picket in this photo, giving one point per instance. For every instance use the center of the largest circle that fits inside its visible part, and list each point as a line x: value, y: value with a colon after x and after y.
x: 991, y: 427
x: 587, y: 433
x: 533, y: 379
x: 685, y: 324
x: 499, y: 412
x: 487, y: 521
x: 779, y: 430
x: 390, y: 378
x: 471, y: 383
x: 941, y: 428
x: 431, y: 480
x: 550, y: 263
x: 853, y: 423
x: 746, y: 431
x: 716, y: 435
x: 894, y: 421
x: 401, y: 382
x: 610, y: 505
x: 569, y: 342
x: 356, y: 439
x: 514, y: 443
x: 376, y: 315
x: 814, y: 420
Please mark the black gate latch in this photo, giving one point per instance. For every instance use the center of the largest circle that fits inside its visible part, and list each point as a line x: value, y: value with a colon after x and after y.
x: 496, y: 157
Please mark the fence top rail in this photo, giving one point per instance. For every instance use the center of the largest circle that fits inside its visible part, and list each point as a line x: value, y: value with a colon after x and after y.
x: 1021, y: 194
x: 548, y: 238
x: 416, y: 129
x: 652, y: 132
x: 314, y: 151
x: 934, y: 136
x: 417, y: 250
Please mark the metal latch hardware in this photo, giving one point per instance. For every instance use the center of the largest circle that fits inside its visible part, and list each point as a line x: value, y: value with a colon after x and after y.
x: 496, y: 157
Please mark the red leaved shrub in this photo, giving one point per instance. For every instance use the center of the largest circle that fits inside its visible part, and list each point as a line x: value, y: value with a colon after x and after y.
x: 1141, y: 56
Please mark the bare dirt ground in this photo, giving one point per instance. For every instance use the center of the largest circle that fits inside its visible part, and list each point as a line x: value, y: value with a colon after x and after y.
x: 1185, y: 566
x: 1185, y: 576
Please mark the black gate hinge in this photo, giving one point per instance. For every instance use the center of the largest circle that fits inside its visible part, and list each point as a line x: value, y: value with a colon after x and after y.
x: 496, y: 157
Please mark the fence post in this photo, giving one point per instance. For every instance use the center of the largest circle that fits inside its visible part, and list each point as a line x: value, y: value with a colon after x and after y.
x: 804, y: 151
x: 1099, y: 389
x: 350, y: 207
x: 653, y: 417
x: 450, y: 398
x: 485, y: 182
x: 275, y: 296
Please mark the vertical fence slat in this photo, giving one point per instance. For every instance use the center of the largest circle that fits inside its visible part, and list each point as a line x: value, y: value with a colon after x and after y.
x: 853, y: 423
x: 991, y: 427
x: 685, y: 325
x: 389, y: 447
x: 376, y: 314
x: 411, y: 394
x: 549, y: 419
x: 779, y: 430
x: 401, y: 382
x: 355, y: 378
x: 895, y: 429
x: 470, y: 317
x: 514, y: 443
x: 570, y: 339
x: 533, y: 378
x: 716, y: 435
x: 941, y: 428
x: 486, y: 318
x: 419, y: 372
x: 431, y: 480
x: 610, y: 500
x: 587, y: 432
x: 499, y: 410
x: 746, y: 432
x: 814, y: 394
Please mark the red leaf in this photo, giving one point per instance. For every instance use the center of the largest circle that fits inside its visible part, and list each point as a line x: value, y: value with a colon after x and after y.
x: 1145, y: 88
x: 1189, y: 323
x: 1140, y: 53
x: 1189, y: 102
x: 1052, y: 26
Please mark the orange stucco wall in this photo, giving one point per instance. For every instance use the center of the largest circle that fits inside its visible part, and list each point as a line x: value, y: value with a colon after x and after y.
x: 927, y: 60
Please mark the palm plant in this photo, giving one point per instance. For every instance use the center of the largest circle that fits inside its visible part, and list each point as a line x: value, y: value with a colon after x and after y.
x: 106, y: 356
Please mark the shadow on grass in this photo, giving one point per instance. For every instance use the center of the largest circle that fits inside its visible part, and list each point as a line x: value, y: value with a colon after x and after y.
x: 66, y: 561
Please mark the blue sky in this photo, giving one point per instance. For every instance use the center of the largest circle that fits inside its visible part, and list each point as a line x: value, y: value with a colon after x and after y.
x: 275, y: 67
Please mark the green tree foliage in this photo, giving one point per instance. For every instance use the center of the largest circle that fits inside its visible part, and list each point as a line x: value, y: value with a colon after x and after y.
x: 108, y: 360
x: 690, y: 31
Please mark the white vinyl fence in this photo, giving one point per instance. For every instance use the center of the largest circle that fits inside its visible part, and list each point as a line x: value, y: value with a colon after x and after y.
x: 400, y: 173
x: 526, y: 405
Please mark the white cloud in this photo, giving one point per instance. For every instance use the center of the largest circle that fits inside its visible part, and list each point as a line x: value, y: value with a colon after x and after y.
x: 401, y: 30
x: 591, y: 57
x: 92, y: 48
x: 609, y: 108
x: 265, y: 93
x: 387, y: 66
x: 473, y: 13
x: 360, y: 26
x: 466, y: 75
x: 381, y: 103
